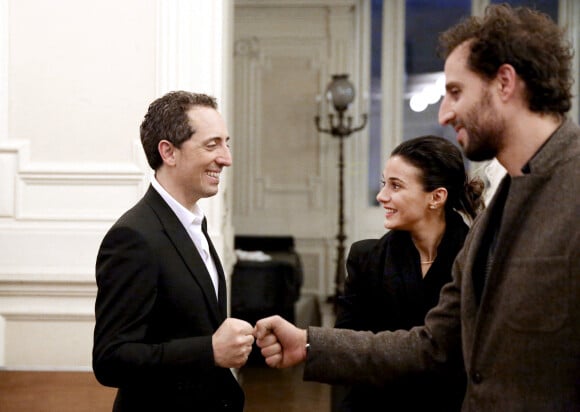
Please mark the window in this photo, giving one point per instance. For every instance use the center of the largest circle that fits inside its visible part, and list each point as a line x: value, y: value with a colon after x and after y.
x: 550, y: 7
x: 423, y: 70
x: 425, y: 82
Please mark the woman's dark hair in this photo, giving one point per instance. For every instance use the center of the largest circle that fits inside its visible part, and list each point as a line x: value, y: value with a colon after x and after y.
x: 167, y: 119
x: 441, y: 165
x: 526, y: 39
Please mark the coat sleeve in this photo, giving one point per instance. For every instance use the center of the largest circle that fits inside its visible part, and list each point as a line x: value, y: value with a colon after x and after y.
x: 341, y: 356
x: 126, y: 272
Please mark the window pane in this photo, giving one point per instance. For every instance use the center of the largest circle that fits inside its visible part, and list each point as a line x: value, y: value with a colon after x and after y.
x: 424, y: 20
x: 424, y: 85
x: 550, y: 7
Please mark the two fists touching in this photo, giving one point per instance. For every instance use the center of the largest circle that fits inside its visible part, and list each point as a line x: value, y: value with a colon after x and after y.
x: 282, y: 344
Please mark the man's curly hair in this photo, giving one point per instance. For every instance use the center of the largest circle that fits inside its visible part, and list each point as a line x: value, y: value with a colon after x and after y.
x: 526, y: 39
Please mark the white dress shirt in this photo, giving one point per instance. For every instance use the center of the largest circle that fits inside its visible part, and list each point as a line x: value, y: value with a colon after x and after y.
x: 494, y: 172
x: 191, y: 221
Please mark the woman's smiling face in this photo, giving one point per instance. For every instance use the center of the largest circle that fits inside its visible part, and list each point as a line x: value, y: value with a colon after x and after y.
x: 402, y: 196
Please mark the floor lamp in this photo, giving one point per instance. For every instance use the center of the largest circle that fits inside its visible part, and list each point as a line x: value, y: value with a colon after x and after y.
x: 340, y: 92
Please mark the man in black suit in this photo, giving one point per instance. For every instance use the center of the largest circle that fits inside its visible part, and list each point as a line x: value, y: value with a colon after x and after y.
x: 162, y: 335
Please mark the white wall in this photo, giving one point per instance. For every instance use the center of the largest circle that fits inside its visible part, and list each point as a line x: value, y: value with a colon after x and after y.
x: 76, y: 77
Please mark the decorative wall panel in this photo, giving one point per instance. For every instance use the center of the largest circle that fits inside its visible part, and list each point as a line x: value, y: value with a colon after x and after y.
x: 285, y: 172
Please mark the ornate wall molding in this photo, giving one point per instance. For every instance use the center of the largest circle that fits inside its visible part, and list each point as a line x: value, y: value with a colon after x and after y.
x: 257, y: 60
x: 86, y: 192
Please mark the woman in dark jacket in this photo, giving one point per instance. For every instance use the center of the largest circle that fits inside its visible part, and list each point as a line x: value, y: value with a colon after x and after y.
x: 392, y: 282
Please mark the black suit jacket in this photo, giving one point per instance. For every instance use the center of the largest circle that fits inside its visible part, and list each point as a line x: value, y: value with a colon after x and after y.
x: 385, y: 290
x: 156, y: 311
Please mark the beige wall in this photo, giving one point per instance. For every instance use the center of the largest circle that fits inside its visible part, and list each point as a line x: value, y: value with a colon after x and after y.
x: 80, y: 73
x: 76, y: 77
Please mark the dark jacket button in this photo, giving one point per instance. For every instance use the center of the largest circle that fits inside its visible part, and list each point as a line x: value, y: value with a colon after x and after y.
x: 476, y: 377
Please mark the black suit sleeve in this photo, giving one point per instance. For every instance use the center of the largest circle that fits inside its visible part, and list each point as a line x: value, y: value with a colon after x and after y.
x: 125, y: 349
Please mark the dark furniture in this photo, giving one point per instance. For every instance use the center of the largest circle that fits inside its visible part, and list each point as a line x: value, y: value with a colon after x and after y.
x: 264, y: 288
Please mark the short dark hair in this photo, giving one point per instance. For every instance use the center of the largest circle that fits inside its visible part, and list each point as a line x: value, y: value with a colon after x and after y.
x: 166, y: 119
x: 526, y: 39
x: 442, y: 165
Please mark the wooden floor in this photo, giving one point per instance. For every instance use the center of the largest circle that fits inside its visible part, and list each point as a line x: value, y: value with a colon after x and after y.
x: 267, y: 390
x: 282, y: 390
x: 53, y: 392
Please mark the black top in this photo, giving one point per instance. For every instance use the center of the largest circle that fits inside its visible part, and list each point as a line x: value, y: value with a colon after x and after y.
x: 385, y: 290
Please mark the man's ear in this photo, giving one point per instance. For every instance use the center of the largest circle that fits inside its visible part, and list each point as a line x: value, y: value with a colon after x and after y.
x: 507, y: 81
x: 167, y: 152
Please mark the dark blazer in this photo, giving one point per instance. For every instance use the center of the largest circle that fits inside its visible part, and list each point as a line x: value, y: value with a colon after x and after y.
x: 385, y: 290
x: 521, y: 344
x: 156, y: 311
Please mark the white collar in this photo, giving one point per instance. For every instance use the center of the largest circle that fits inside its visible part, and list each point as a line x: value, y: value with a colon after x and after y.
x: 186, y: 217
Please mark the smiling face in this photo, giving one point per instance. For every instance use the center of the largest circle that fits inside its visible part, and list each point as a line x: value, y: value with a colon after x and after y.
x: 469, y: 107
x: 402, y: 196
x: 197, y: 164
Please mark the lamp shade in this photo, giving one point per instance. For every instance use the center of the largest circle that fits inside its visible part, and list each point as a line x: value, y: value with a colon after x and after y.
x: 340, y: 91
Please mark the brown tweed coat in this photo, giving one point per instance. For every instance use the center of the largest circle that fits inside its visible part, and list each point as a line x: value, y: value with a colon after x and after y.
x: 521, y: 346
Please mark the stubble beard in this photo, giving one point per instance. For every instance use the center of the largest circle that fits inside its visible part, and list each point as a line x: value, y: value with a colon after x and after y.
x: 484, y: 131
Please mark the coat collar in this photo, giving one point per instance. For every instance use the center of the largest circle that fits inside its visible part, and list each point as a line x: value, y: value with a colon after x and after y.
x: 562, y: 145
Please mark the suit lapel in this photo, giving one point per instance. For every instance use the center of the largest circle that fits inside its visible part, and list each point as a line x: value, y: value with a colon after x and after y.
x: 186, y: 249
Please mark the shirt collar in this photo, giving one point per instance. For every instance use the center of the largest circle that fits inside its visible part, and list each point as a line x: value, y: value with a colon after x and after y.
x: 186, y: 217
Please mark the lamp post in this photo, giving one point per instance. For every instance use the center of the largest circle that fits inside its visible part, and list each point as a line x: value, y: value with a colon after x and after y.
x: 340, y: 92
